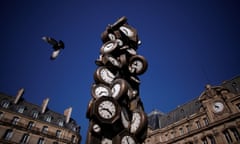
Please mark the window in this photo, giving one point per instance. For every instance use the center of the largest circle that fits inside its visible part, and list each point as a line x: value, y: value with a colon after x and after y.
x: 45, y: 129
x: 15, y: 120
x: 58, y: 133
x: 48, y: 118
x: 8, y: 134
x: 227, y: 136
x: 1, y: 115
x: 73, y: 139
x: 21, y: 109
x: 238, y: 106
x: 204, y: 140
x: 181, y: 131
x: 30, y: 125
x: 205, y: 121
x: 60, y: 122
x: 40, y: 141
x: 5, y: 103
x: 235, y: 133
x: 35, y: 114
x: 24, y: 139
x: 212, y: 140
x: 198, y: 124
x: 188, y: 128
x: 172, y: 134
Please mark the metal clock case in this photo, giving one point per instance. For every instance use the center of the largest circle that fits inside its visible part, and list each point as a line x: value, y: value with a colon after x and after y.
x: 95, y: 128
x: 119, y: 88
x: 138, y: 121
x: 107, y: 110
x: 89, y: 112
x: 109, y: 47
x: 137, y: 65
x: 99, y: 90
x: 104, y: 75
x: 125, y: 138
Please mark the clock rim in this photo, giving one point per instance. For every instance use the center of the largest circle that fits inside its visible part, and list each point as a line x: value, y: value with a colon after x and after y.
x: 99, y: 117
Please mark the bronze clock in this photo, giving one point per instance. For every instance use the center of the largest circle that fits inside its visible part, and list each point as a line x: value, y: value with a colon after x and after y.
x: 107, y: 109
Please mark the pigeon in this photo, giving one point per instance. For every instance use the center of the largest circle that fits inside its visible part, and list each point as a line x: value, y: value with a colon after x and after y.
x: 57, y: 46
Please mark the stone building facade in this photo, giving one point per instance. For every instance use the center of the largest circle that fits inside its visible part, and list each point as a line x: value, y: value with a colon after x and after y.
x: 211, y: 118
x: 22, y: 122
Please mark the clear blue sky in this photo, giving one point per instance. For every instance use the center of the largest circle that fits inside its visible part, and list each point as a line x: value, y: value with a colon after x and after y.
x: 187, y: 43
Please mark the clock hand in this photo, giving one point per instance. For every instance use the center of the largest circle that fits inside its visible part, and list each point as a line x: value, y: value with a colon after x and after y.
x: 127, y: 140
x: 103, y: 93
x: 107, y: 110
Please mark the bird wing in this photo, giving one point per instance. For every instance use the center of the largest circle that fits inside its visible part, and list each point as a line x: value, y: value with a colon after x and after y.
x: 54, y: 54
x: 50, y: 40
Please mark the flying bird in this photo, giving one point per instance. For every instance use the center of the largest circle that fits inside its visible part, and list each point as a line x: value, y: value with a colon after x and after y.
x: 56, y: 45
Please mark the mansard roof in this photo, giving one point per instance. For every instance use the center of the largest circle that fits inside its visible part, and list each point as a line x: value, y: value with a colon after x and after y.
x: 157, y: 119
x: 30, y: 108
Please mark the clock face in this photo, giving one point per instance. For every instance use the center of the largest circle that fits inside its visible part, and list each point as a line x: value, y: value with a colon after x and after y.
x: 104, y: 75
x: 106, y: 141
x: 128, y: 140
x: 127, y: 31
x: 114, y: 61
x: 99, y: 90
x: 96, y: 128
x: 218, y: 107
x: 138, y: 122
x: 137, y: 65
x: 119, y: 88
x: 109, y: 46
x: 107, y: 109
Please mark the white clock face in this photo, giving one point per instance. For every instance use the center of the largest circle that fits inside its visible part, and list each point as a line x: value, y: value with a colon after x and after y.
x: 116, y: 90
x: 136, y: 66
x: 108, y: 47
x: 128, y: 32
x: 127, y: 140
x: 107, y: 109
x: 106, y: 75
x: 106, y: 141
x: 135, y: 123
x: 218, y: 107
x: 96, y: 128
x: 111, y: 36
x: 114, y: 61
x: 100, y: 91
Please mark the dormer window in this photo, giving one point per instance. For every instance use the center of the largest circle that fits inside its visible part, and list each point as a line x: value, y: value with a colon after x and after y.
x: 5, y: 103
x: 35, y: 114
x: 21, y: 109
x: 48, y: 118
x: 60, y: 122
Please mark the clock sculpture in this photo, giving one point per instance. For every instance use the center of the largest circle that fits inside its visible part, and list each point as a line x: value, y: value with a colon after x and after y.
x: 115, y: 112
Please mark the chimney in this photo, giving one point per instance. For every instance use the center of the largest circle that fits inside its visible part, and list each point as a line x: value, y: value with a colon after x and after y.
x: 19, y: 95
x: 44, y: 104
x: 67, y: 113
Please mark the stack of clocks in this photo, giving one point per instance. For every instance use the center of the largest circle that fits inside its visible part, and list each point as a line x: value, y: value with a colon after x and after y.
x: 115, y: 112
